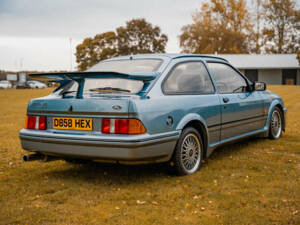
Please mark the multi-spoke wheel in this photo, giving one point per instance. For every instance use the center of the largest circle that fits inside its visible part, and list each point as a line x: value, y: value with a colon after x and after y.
x: 188, y: 152
x: 275, y: 128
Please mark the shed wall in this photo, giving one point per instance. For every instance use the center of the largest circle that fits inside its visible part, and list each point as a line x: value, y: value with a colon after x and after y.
x: 270, y: 76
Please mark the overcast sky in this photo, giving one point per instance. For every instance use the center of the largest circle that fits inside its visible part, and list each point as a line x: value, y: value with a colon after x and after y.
x: 34, y: 34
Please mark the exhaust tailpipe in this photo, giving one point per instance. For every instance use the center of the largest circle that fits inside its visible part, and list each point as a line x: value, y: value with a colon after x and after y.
x: 39, y: 157
x: 32, y: 157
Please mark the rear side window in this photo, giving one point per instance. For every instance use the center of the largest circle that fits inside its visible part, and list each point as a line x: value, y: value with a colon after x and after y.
x: 188, y: 78
x: 227, y: 79
x: 69, y: 89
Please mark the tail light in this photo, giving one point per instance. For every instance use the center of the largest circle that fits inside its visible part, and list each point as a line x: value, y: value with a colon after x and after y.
x: 30, y: 122
x: 36, y: 122
x: 122, y: 126
x: 42, y: 122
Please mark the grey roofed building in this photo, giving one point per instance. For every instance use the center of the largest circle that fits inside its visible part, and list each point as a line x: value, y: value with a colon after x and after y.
x: 272, y: 69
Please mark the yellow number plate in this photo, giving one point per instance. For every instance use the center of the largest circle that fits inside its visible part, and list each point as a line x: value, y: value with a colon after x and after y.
x: 72, y: 123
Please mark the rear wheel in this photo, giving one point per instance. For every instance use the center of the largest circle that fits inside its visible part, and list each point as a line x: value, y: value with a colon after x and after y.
x: 275, y: 127
x: 188, y: 152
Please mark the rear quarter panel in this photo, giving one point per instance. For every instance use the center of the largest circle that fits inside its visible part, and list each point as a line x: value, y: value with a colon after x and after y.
x: 155, y: 111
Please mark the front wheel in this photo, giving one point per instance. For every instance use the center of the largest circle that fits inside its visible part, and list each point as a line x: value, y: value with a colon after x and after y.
x: 275, y: 127
x: 188, y: 152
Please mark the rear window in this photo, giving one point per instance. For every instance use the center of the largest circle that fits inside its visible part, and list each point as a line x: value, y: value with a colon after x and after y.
x: 112, y: 85
x: 99, y: 86
x: 128, y: 66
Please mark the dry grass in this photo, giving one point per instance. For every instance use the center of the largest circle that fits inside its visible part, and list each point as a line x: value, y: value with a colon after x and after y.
x: 252, y: 182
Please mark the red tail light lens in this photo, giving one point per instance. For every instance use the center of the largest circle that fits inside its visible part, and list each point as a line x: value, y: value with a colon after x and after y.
x: 122, y: 126
x: 30, y: 122
x: 42, y: 122
x: 36, y: 122
x: 106, y: 126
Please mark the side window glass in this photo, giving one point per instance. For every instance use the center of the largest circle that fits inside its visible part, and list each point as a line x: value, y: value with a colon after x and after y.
x: 227, y: 79
x: 188, y: 78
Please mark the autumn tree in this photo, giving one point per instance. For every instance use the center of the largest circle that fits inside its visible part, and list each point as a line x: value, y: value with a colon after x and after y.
x: 138, y: 36
x: 93, y: 50
x: 298, y: 55
x: 222, y: 26
x: 281, y: 32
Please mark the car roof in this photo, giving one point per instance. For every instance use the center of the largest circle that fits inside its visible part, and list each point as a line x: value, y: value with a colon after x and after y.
x: 170, y: 56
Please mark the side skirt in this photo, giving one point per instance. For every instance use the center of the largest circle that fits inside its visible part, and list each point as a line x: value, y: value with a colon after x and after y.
x: 214, y: 145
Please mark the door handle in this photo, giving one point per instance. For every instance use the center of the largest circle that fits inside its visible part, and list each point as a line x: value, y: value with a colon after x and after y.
x: 225, y: 100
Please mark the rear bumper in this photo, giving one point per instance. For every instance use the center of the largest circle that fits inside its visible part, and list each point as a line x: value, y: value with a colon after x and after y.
x: 117, y: 147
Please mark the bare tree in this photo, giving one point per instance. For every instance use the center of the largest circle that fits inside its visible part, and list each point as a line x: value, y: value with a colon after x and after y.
x: 281, y: 32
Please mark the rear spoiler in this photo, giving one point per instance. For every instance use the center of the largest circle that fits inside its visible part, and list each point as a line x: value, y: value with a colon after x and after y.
x: 79, y: 76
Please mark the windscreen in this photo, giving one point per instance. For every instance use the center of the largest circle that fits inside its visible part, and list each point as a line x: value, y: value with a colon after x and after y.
x: 128, y: 66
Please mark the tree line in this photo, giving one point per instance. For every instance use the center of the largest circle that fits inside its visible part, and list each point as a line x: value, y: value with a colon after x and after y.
x: 219, y: 26
x: 138, y: 36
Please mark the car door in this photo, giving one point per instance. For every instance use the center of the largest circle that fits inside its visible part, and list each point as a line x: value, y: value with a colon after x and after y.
x: 242, y: 110
x: 190, y: 92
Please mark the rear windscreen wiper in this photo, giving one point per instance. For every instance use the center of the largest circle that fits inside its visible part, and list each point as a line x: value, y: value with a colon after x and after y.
x: 109, y: 89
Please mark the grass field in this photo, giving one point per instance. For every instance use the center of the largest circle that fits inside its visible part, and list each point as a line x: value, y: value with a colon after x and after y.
x: 256, y: 181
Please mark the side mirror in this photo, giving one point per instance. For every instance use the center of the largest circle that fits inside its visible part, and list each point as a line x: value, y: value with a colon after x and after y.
x: 259, y: 86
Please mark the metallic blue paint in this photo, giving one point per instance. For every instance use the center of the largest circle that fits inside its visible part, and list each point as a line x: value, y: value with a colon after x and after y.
x: 246, y: 114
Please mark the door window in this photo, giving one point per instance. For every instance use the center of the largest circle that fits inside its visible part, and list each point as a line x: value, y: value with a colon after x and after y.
x: 188, y: 78
x: 227, y: 79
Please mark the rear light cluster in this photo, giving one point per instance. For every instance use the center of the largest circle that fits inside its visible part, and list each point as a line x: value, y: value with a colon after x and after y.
x: 35, y: 122
x: 122, y: 126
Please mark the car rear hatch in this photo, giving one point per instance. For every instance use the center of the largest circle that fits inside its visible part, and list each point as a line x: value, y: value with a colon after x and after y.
x: 75, y: 107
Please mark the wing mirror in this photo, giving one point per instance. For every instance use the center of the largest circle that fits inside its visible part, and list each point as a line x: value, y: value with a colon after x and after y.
x: 259, y: 86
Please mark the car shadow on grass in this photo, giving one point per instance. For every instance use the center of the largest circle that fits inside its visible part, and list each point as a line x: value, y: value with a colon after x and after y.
x: 123, y: 174
x: 235, y: 148
x: 110, y: 173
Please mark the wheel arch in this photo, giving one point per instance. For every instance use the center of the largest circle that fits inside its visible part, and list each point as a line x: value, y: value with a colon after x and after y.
x: 197, y: 122
x: 279, y: 105
x: 283, y: 115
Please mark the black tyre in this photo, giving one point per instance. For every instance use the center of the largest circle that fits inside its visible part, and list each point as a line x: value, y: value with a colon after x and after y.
x: 188, y: 152
x: 275, y: 126
x: 77, y: 161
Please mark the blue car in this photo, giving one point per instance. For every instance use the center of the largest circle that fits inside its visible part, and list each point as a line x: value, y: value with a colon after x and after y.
x: 173, y: 108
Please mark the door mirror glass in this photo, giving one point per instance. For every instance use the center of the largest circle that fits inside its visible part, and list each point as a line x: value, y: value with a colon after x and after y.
x: 260, y: 86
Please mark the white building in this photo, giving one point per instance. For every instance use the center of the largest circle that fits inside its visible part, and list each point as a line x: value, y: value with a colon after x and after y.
x: 272, y: 69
